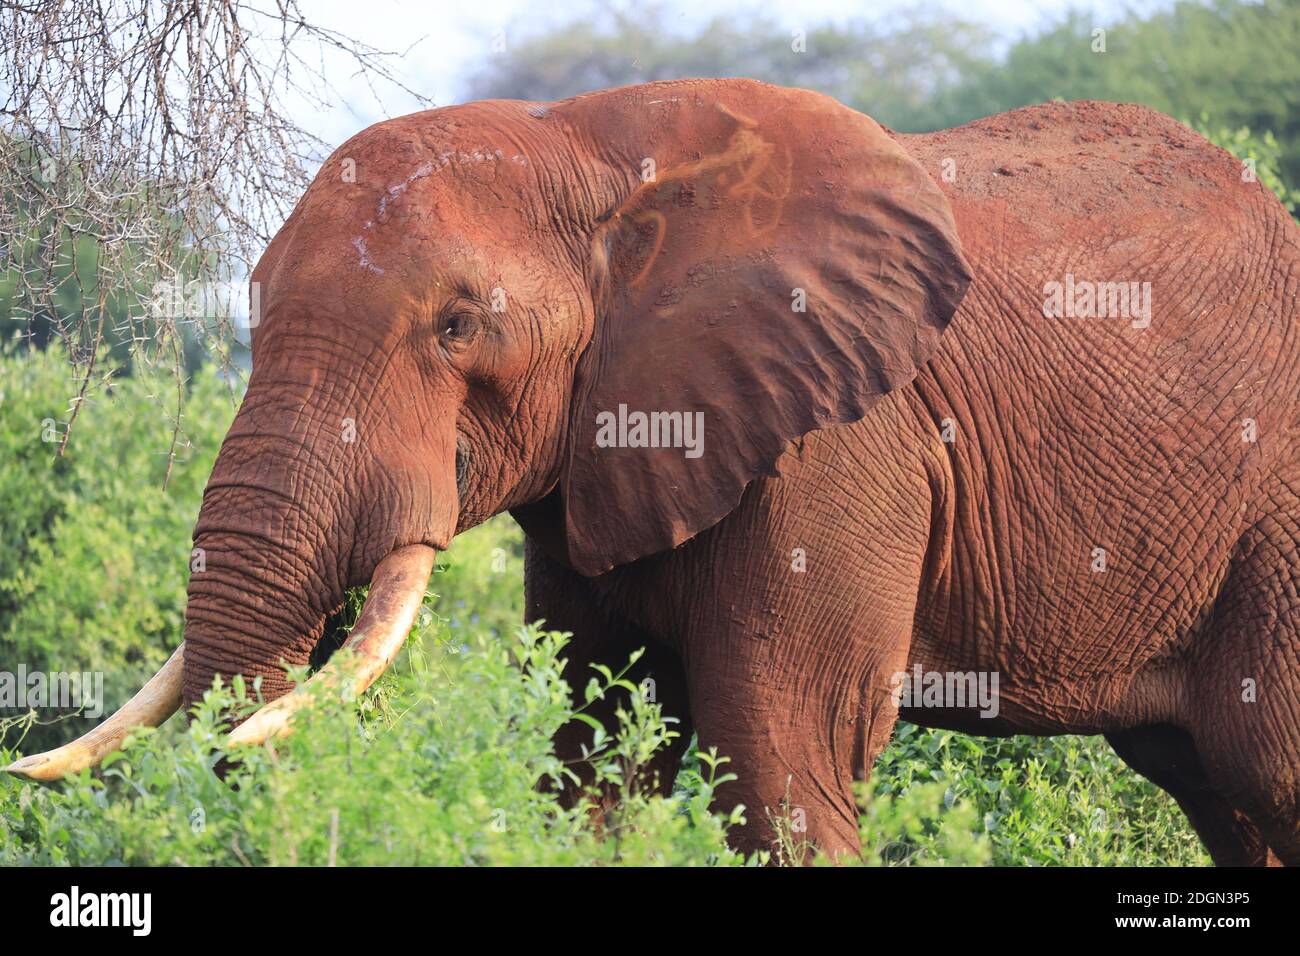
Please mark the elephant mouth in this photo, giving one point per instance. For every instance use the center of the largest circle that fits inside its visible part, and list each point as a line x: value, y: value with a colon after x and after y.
x: 333, y: 636
x: 396, y: 593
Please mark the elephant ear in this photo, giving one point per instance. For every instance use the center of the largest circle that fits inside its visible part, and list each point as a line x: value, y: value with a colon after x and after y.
x: 769, y: 262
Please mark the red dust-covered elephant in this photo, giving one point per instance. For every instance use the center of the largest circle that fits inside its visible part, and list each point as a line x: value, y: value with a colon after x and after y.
x: 814, y: 412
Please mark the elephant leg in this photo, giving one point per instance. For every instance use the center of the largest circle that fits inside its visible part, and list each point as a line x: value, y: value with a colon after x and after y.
x: 1245, y: 690
x: 793, y: 645
x: 1166, y: 755
x: 566, y: 602
x: 797, y: 752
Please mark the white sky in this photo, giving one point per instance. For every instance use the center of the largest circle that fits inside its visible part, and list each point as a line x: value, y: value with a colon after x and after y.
x: 450, y: 38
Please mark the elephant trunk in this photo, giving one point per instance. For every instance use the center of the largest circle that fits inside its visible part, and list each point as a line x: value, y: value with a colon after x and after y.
x: 313, y: 492
x: 250, y: 613
x: 295, y: 512
x: 270, y: 557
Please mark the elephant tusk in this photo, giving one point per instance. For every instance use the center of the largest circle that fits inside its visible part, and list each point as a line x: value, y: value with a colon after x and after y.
x: 396, y: 592
x: 153, y: 703
x: 397, y: 589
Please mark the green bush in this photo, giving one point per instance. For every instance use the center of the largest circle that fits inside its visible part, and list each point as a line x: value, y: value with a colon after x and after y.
x: 480, y: 580
x: 1040, y: 800
x: 1262, y: 151
x: 449, y: 764
x: 94, y: 551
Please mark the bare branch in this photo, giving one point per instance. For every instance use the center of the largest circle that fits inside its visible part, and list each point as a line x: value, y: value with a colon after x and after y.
x: 147, y: 155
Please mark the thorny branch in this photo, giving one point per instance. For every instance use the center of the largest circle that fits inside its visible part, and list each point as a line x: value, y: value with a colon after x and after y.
x: 148, y: 142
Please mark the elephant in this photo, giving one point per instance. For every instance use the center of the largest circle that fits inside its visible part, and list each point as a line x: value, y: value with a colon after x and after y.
x: 808, y: 409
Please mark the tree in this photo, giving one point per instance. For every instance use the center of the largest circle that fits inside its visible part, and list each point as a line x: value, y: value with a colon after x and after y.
x: 891, y: 71
x: 1233, y: 62
x: 147, y: 158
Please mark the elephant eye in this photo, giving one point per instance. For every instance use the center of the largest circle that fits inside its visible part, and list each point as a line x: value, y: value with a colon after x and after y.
x: 460, y: 327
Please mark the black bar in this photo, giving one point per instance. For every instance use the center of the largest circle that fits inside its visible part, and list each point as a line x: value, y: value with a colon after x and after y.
x: 928, y: 904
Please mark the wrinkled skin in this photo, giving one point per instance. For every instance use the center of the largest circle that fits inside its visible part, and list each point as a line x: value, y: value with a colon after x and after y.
x: 923, y: 260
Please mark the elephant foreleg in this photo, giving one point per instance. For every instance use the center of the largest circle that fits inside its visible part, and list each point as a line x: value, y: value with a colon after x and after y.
x: 790, y: 665
x: 797, y: 747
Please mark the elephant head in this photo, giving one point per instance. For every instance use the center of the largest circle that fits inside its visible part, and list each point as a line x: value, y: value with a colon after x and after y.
x: 469, y: 308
